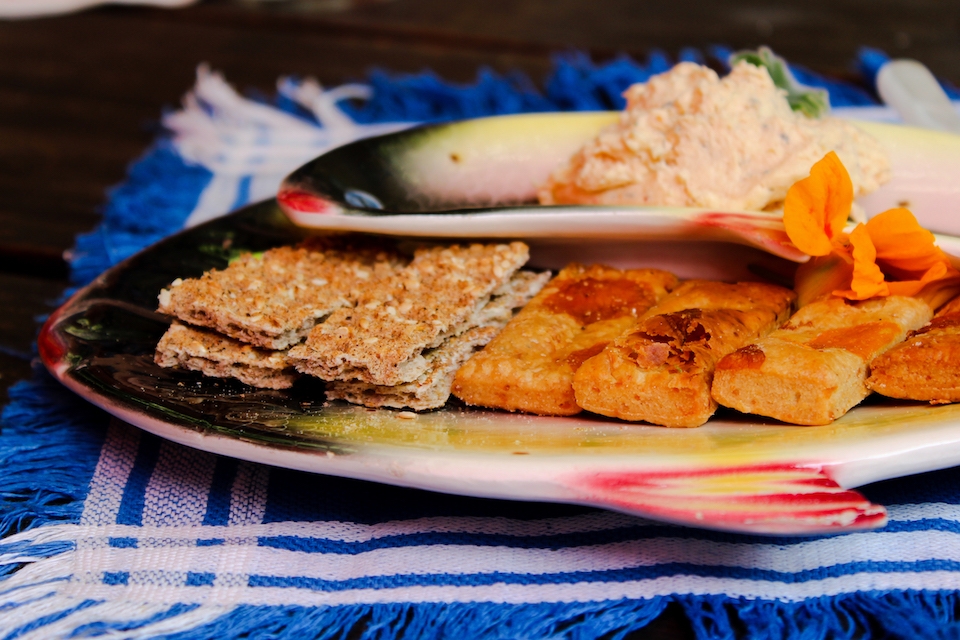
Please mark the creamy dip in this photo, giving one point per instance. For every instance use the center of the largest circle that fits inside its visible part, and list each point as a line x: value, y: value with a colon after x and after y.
x: 689, y: 138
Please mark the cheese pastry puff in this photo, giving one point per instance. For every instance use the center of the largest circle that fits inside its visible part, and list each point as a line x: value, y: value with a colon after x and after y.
x: 925, y: 366
x: 814, y: 369
x: 661, y: 370
x: 530, y: 365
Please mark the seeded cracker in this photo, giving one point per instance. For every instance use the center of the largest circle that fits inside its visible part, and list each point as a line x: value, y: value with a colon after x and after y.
x: 382, y: 339
x: 432, y: 388
x: 221, y: 357
x: 273, y: 300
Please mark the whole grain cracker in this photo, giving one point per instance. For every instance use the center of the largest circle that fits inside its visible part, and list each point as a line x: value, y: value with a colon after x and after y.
x: 218, y: 356
x: 381, y: 340
x: 273, y: 300
x: 432, y: 388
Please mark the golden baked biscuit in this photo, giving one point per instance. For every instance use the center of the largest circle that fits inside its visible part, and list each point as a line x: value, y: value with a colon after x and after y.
x: 530, y: 365
x: 814, y: 369
x: 660, y: 371
x: 925, y: 366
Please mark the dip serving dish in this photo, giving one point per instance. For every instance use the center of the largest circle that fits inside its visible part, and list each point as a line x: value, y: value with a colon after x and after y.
x: 478, y: 178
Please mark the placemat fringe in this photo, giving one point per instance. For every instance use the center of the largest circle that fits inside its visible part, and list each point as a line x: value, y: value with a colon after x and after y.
x: 160, y: 191
x: 488, y: 621
x: 48, y: 452
x: 903, y: 614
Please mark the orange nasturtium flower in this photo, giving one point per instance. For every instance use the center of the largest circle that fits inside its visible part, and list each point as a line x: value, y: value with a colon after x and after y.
x: 889, y: 255
x: 817, y: 207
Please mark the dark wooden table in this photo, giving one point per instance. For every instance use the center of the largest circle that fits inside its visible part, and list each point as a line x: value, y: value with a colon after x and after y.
x: 81, y: 95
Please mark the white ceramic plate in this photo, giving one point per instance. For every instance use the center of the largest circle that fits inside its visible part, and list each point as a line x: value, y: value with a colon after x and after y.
x: 737, y: 473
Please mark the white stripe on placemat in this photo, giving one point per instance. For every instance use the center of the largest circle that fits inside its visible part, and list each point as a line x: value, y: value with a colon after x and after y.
x: 117, y: 456
x: 538, y: 593
x: 924, y: 511
x: 352, y: 532
x: 248, y: 494
x: 248, y: 504
x: 447, y: 559
x: 179, y: 487
x: 355, y: 532
x: 907, y: 546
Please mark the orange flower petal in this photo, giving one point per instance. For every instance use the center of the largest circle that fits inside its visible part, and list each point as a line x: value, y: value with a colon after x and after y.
x: 905, y: 250
x: 816, y: 208
x: 938, y: 271
x: 890, y: 255
x: 821, y: 276
x: 867, y: 280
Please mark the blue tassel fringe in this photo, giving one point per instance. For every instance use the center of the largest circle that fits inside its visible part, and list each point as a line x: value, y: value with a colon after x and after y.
x: 49, y: 449
x: 486, y: 621
x: 158, y: 195
x: 905, y: 614
x: 908, y: 615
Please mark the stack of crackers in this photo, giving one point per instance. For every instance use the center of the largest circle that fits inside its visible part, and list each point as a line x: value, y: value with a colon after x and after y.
x: 383, y: 329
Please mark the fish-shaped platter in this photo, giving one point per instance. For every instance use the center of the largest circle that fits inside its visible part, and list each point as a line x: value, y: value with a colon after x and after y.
x: 737, y: 472
x: 478, y: 178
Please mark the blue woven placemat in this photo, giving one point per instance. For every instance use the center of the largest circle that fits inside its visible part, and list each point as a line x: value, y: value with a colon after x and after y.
x: 111, y: 531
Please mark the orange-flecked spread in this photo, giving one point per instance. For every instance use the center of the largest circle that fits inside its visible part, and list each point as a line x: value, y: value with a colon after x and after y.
x: 689, y: 138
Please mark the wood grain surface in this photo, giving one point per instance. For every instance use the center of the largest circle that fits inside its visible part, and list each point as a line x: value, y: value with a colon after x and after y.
x: 81, y: 95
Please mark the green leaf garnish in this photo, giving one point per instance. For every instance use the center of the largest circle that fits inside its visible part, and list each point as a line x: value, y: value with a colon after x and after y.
x: 809, y: 101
